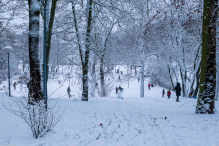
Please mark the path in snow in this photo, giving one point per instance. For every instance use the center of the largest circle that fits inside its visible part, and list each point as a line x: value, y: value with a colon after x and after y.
x: 131, y: 121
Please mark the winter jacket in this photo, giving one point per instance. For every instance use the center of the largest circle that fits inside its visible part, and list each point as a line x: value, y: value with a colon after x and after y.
x: 149, y: 85
x: 178, y: 89
x: 68, y: 90
x: 119, y: 93
x: 163, y: 92
x: 28, y: 85
x: 168, y: 93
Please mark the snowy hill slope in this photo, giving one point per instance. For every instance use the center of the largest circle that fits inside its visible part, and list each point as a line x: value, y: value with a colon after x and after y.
x: 133, y: 121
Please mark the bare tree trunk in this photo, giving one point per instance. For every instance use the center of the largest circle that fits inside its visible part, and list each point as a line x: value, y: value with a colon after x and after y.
x: 102, y: 81
x: 217, y: 60
x: 197, y: 80
x: 49, y: 32
x: 142, y: 69
x: 35, y: 76
x: 142, y: 80
x: 177, y: 80
x: 191, y: 91
x: 206, y: 95
x: 93, y: 83
x: 183, y: 83
x: 217, y: 80
x: 196, y: 72
x: 171, y: 78
x: 23, y: 65
x: 86, y: 57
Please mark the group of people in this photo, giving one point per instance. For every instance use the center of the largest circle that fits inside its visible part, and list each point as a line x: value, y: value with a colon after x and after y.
x: 116, y: 70
x: 151, y: 85
x: 178, y: 92
x: 168, y: 93
x: 120, y: 89
x: 119, y: 92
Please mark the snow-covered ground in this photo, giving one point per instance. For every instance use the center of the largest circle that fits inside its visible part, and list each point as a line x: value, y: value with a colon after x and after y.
x: 133, y: 121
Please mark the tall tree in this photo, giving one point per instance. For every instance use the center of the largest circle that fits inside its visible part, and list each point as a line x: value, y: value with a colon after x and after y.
x: 84, y: 50
x: 207, y: 85
x: 49, y: 32
x: 87, y: 51
x: 35, y: 76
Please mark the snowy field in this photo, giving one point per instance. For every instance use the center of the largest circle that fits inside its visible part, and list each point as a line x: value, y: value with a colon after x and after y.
x: 150, y: 121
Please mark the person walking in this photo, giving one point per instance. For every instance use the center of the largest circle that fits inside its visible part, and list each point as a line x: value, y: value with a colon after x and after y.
x: 28, y: 86
x: 69, y: 90
x: 178, y: 91
x: 168, y: 94
x: 120, y: 93
x: 116, y: 89
x: 14, y: 85
x: 149, y: 86
x: 163, y: 92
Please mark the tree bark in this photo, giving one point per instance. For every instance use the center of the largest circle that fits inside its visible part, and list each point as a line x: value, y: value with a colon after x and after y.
x: 142, y: 80
x: 102, y: 83
x: 197, y: 81
x: 142, y: 68
x: 35, y: 76
x: 49, y: 32
x: 93, y: 83
x: 196, y: 73
x: 183, y: 83
x: 171, y: 78
x: 206, y: 95
x: 86, y: 57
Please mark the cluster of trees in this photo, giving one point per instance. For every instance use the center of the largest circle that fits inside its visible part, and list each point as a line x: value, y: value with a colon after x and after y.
x: 168, y: 39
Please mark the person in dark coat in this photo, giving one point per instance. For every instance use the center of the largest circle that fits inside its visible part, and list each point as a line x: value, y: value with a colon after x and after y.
x: 28, y: 86
x: 163, y: 92
x: 69, y: 90
x: 116, y: 89
x: 178, y: 91
x: 14, y: 85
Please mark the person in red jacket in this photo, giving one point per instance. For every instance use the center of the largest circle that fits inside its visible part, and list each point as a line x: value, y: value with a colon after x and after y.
x: 168, y: 93
x: 149, y: 85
